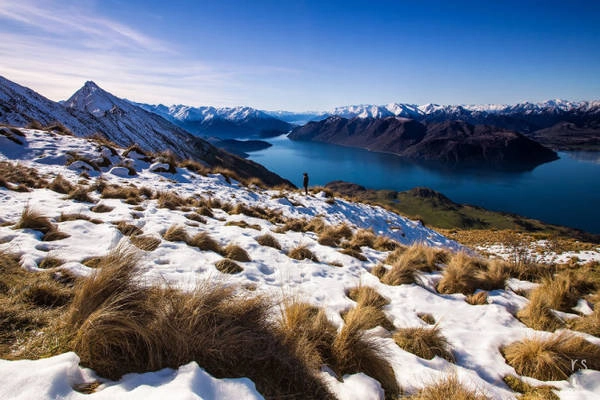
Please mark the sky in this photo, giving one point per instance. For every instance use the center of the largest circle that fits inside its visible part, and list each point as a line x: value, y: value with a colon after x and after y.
x: 305, y: 55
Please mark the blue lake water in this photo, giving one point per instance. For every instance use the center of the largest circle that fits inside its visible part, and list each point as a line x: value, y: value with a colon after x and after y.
x: 565, y: 192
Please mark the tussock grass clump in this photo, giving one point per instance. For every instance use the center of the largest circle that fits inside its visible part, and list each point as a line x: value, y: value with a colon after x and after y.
x: 354, y: 353
x: 465, y: 274
x: 560, y: 292
x: 54, y: 235
x: 367, y: 296
x: 479, y: 298
x: 46, y: 294
x: 424, y: 342
x: 427, y: 318
x: 333, y: 235
x: 589, y: 323
x: 130, y: 194
x: 551, y: 359
x: 268, y: 240
x: 530, y: 392
x: 292, y: 224
x: 101, y: 208
x: 176, y: 233
x: 204, y: 242
x: 74, y: 217
x: 51, y: 262
x: 128, y: 229
x: 379, y: 270
x: 196, y: 217
x: 31, y: 219
x: 74, y: 157
x: 20, y: 175
x: 352, y: 252
x: 137, y: 149
x: 205, y: 211
x: 170, y: 200
x: 243, y: 224
x: 407, y: 263
x: 194, y: 166
x: 448, y: 388
x: 362, y: 237
x: 80, y: 193
x: 60, y: 185
x: 302, y: 252
x: 228, y: 266
x: 316, y: 225
x: 235, y: 252
x: 145, y: 242
x: 383, y: 243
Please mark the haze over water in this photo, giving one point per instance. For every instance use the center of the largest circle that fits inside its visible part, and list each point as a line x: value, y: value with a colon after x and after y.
x: 564, y: 192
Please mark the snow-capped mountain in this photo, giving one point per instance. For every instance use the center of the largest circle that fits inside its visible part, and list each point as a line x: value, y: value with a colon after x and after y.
x: 224, y: 122
x: 93, y: 110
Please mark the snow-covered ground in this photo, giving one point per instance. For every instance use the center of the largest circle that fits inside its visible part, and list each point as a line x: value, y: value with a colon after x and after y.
x: 475, y: 332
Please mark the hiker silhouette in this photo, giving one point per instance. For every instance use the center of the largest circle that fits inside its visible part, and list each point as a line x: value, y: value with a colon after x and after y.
x: 305, y: 183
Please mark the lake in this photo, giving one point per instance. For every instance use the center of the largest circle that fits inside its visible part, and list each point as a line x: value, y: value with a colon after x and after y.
x: 564, y: 192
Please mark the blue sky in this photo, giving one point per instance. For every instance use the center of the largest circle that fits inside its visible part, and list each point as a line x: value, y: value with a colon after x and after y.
x: 305, y: 55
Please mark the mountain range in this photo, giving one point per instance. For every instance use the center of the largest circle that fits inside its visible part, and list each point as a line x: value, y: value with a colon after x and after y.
x: 92, y: 110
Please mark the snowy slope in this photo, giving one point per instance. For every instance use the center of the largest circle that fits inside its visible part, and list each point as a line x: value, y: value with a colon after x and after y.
x: 475, y: 332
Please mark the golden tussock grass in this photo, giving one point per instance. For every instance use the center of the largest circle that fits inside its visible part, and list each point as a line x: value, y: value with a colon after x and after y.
x: 363, y: 237
x: 427, y: 318
x: 128, y: 229
x: 268, y: 240
x: 50, y: 262
x: 129, y: 193
x: 176, y: 233
x: 383, y: 243
x: 235, y: 252
x: 21, y: 175
x: 60, y: 185
x: 333, y: 235
x: 407, y: 263
x: 352, y: 252
x: 80, y: 193
x: 554, y: 358
x: 374, y: 316
x: 448, y: 388
x: 101, y: 208
x: 379, y: 270
x: 204, y: 242
x: 170, y: 200
x: 135, y: 149
x: 301, y: 252
x: 529, y: 392
x: 367, y: 296
x: 74, y: 217
x: 560, y: 292
x: 205, y: 211
x: 228, y: 266
x: 196, y: 217
x: 243, y: 224
x: 479, y: 298
x: 145, y: 242
x: 316, y: 225
x: 465, y: 274
x: 425, y: 342
x: 589, y: 323
x: 292, y: 224
x: 31, y: 219
x: 195, y: 166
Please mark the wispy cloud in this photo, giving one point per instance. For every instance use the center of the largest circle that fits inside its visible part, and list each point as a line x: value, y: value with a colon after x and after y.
x: 54, y: 47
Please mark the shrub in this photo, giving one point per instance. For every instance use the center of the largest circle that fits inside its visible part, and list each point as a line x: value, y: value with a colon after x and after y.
x: 236, y: 253
x: 424, y: 342
x: 145, y: 242
x: 176, y: 233
x: 60, y: 185
x: 302, y: 252
x: 228, y: 266
x: 268, y: 240
x: 447, y: 388
x: 204, y: 242
x: 551, y: 359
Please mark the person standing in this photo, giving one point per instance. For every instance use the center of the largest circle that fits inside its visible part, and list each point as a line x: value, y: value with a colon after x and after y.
x: 305, y: 183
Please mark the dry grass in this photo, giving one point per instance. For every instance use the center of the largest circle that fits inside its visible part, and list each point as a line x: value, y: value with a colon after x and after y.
x: 195, y: 166
x: 529, y: 392
x: 235, y: 252
x: 465, y: 274
x: 407, y: 263
x: 130, y: 194
x: 554, y: 358
x: 128, y: 229
x: 170, y: 200
x: 145, y: 242
x: 589, y: 324
x: 560, y: 292
x: 60, y: 185
x: 383, y: 243
x: 101, y: 208
x: 352, y: 252
x: 136, y: 149
x: 196, y: 217
x: 333, y: 235
x: 31, y: 219
x: 427, y: 318
x: 243, y: 224
x: 268, y: 240
x: 204, y: 242
x: 176, y: 233
x: 425, y: 342
x: 362, y: 237
x: 51, y: 262
x: 447, y: 388
x: 74, y: 217
x: 205, y: 211
x: 80, y: 193
x: 477, y: 299
x: 20, y: 175
x: 301, y: 252
x: 293, y: 224
x: 379, y: 270
x: 367, y: 296
x: 228, y: 266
